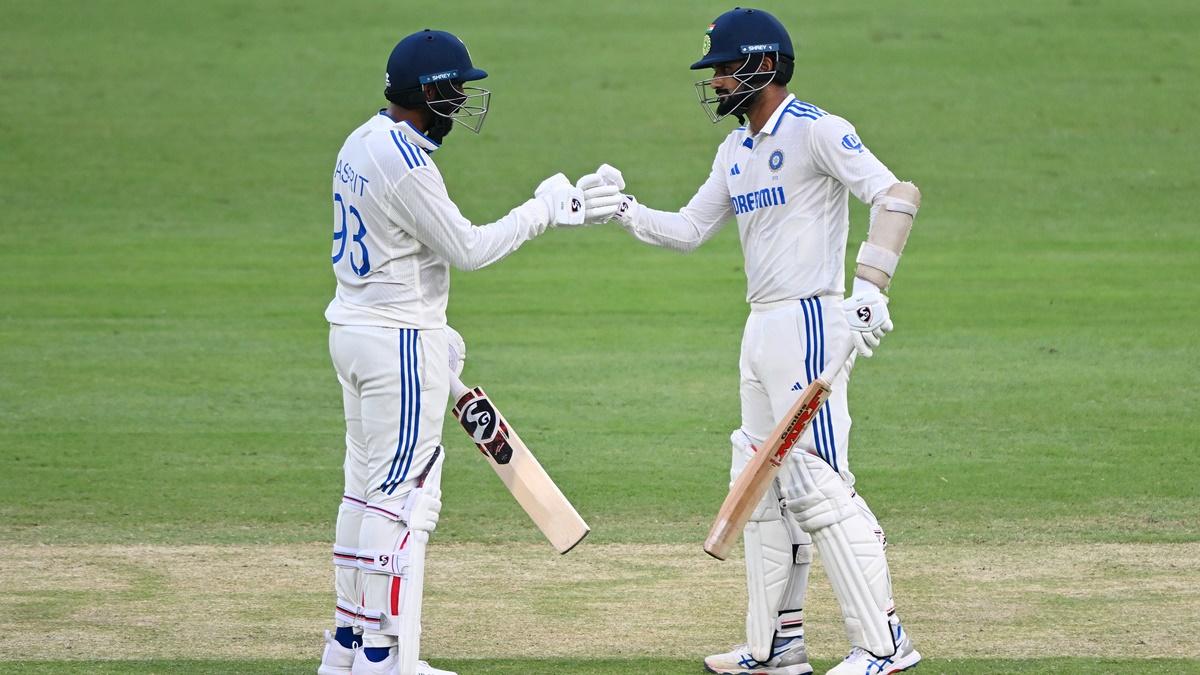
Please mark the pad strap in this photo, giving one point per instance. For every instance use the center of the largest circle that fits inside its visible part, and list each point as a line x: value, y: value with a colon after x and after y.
x: 346, y: 613
x: 354, y: 503
x: 392, y: 563
x: 898, y: 205
x: 344, y: 556
x: 371, y: 620
x: 385, y: 512
x: 878, y: 257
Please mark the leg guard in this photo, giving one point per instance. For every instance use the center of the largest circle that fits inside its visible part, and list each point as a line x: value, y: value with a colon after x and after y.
x: 778, y: 556
x: 421, y: 512
x: 791, y: 610
x: 768, y: 557
x: 392, y: 561
x: 346, y: 575
x: 851, y: 552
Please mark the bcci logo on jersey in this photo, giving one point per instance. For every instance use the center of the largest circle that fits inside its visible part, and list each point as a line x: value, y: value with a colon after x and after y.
x: 775, y: 161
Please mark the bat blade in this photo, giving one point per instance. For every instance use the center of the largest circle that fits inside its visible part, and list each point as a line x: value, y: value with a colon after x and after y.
x: 748, y: 490
x: 520, y: 471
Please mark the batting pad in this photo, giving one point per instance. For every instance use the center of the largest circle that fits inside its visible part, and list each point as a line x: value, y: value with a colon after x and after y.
x: 850, y: 550
x: 768, y: 567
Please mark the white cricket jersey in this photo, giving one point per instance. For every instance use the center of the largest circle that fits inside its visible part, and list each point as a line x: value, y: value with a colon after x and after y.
x: 396, y: 232
x: 787, y: 185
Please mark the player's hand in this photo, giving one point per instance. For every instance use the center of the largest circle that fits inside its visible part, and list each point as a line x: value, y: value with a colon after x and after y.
x: 423, y: 508
x: 563, y: 200
x: 626, y: 204
x: 600, y: 198
x: 456, y: 351
x: 867, y: 313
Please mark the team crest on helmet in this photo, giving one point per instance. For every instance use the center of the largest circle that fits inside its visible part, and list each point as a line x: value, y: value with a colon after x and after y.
x: 775, y: 162
x: 706, y: 44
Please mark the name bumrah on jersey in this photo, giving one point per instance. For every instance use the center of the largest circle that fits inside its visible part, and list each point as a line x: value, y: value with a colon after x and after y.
x: 346, y: 173
x: 758, y: 199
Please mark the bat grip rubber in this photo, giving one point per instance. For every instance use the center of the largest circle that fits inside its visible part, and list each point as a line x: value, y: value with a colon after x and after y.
x: 457, y: 388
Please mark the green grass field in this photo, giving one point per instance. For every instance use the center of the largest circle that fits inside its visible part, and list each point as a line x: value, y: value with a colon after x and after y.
x: 1027, y: 433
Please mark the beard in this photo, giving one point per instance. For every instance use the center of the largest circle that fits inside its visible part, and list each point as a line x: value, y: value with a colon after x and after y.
x: 439, y: 127
x: 735, y: 103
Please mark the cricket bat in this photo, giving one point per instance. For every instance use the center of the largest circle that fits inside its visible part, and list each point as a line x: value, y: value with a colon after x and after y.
x: 516, y: 466
x: 748, y: 490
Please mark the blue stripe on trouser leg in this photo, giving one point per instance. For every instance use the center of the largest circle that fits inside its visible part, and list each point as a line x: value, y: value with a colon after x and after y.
x: 825, y: 418
x: 808, y: 345
x: 811, y: 364
x: 415, y: 405
x: 407, y: 364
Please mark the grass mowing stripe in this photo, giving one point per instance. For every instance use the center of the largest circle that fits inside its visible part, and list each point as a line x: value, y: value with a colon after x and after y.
x: 1036, y: 600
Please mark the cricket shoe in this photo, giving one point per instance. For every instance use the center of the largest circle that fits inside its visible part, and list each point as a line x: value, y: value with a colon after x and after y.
x: 862, y: 662
x: 336, y: 659
x: 390, y: 666
x: 788, y: 657
x: 364, y: 666
x: 424, y: 668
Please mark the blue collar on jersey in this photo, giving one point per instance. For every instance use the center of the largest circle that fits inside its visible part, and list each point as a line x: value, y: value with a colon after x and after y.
x: 776, y: 117
x: 413, y: 134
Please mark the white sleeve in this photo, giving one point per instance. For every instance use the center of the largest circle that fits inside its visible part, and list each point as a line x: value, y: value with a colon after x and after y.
x: 692, y: 225
x: 428, y: 214
x: 839, y: 153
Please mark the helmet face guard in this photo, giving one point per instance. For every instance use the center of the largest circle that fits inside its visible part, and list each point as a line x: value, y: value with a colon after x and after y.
x: 460, y: 104
x: 750, y: 80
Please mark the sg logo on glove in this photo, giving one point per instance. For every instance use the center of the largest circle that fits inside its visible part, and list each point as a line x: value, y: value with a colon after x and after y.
x: 576, y: 205
x: 864, y: 314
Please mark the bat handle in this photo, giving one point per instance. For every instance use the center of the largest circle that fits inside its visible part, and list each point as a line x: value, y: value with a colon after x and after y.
x: 835, y: 364
x: 457, y: 388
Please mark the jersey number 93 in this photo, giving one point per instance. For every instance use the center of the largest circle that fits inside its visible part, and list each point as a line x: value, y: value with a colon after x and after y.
x: 360, y: 263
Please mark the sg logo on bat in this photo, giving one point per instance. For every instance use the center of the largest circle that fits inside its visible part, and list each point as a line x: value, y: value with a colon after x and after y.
x: 482, y: 422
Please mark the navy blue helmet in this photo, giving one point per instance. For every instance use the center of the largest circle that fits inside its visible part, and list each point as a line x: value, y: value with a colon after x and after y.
x: 435, y: 58
x: 740, y: 32
x: 745, y: 36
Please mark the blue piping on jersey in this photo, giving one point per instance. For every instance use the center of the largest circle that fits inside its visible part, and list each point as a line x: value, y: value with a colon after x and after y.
x: 798, y: 108
x: 408, y: 159
x: 411, y: 153
x: 436, y: 145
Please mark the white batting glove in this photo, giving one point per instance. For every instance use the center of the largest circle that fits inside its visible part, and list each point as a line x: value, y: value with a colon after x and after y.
x: 600, y: 198
x: 867, y: 313
x: 626, y: 204
x: 626, y: 210
x: 423, y: 508
x: 457, y: 351
x: 563, y: 200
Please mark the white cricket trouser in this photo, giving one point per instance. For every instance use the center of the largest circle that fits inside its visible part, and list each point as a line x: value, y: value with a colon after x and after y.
x: 784, y: 347
x: 395, y: 384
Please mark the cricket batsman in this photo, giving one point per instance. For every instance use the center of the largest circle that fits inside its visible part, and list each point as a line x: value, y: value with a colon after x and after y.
x: 396, y: 233
x: 785, y: 175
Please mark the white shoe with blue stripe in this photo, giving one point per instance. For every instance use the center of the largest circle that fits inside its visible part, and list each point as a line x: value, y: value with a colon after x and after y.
x: 788, y: 657
x: 862, y: 662
x: 336, y: 659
